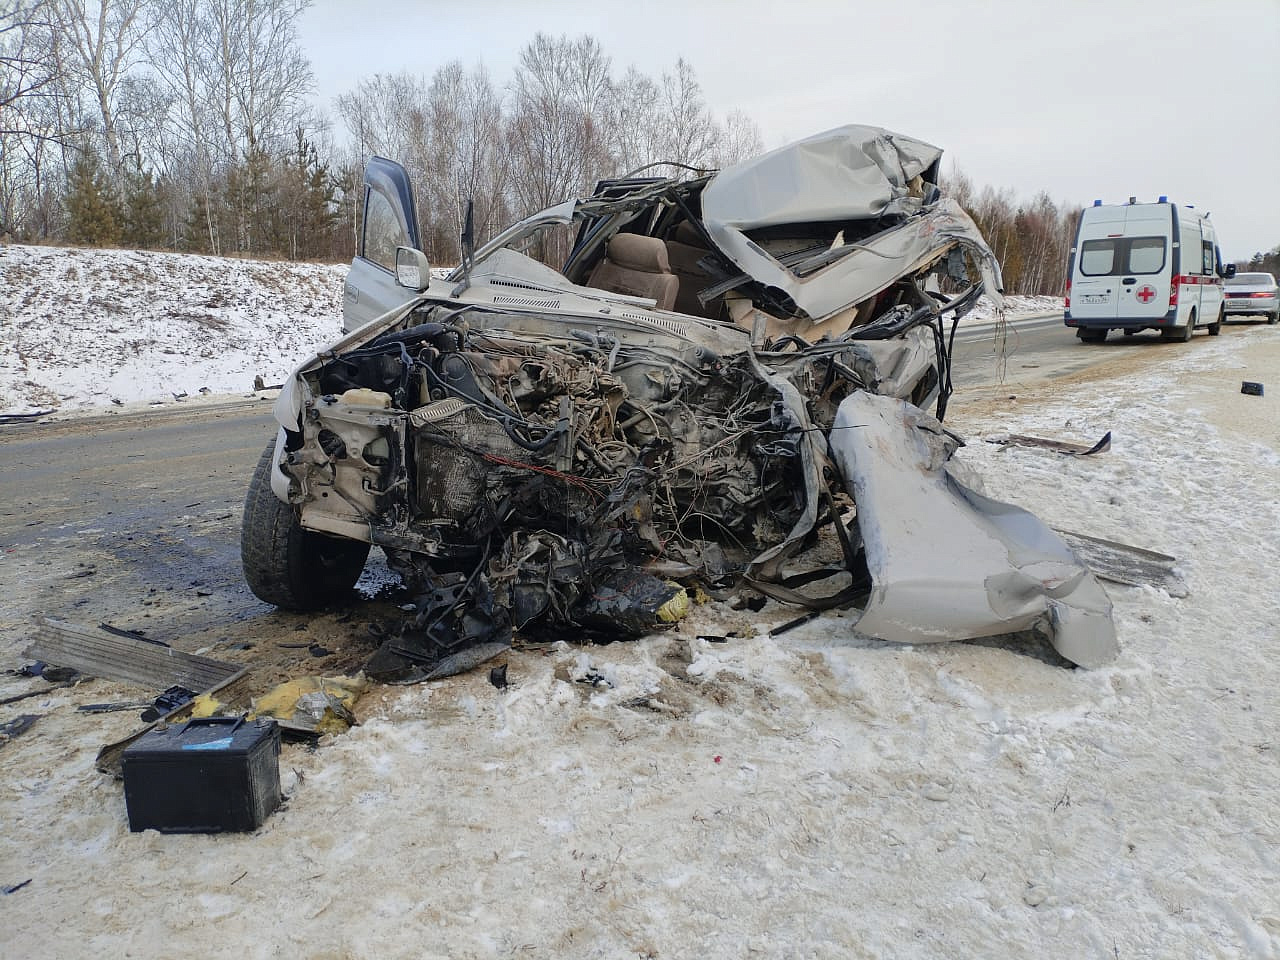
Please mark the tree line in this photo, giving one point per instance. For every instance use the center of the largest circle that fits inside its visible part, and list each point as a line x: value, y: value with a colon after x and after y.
x: 188, y: 125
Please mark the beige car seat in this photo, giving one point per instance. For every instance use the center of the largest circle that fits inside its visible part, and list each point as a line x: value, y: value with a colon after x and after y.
x: 638, y: 267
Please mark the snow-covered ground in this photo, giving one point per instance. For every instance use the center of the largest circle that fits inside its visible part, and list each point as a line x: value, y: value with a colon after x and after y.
x: 88, y: 329
x: 813, y: 795
x: 85, y: 329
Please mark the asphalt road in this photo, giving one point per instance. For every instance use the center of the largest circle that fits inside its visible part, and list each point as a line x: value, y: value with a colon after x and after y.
x: 1036, y: 348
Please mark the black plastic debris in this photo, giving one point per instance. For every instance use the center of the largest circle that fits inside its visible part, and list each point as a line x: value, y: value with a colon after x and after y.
x: 112, y: 707
x: 211, y: 775
x: 628, y: 604
x: 465, y: 660
x: 456, y: 627
x: 41, y: 669
x: 16, y: 887
x: 498, y: 676
x: 167, y: 702
x: 1251, y: 388
x: 17, y: 726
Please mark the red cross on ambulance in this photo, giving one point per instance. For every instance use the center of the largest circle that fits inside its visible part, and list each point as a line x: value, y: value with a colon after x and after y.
x: 1146, y: 293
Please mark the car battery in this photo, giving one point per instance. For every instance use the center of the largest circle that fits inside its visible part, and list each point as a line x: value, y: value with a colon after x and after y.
x: 210, y: 775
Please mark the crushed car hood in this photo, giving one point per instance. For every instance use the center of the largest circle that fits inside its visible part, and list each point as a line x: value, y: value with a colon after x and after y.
x: 850, y: 173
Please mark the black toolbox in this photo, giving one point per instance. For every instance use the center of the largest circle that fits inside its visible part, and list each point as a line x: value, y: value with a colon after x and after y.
x: 211, y: 775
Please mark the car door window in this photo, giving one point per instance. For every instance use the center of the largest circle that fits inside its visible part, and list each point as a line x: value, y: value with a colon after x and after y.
x: 383, y: 230
x: 1207, y: 247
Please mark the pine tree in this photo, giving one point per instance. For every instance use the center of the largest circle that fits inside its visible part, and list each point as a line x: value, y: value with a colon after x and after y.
x: 143, y: 211
x: 93, y: 212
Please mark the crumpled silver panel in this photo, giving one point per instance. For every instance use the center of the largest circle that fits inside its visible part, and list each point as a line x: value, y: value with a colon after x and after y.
x: 946, y: 562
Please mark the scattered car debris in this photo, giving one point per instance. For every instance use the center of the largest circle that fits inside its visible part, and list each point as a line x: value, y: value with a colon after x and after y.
x: 16, y: 887
x: 133, y: 634
x: 8, y: 418
x: 1251, y: 388
x: 59, y: 675
x: 36, y: 668
x: 466, y: 659
x: 17, y: 726
x: 1127, y: 564
x: 790, y: 625
x: 684, y: 402
x: 116, y: 707
x: 113, y: 656
x: 986, y: 568
x: 1060, y: 446
x: 169, y: 701
x: 42, y: 692
x: 312, y: 705
x: 498, y: 676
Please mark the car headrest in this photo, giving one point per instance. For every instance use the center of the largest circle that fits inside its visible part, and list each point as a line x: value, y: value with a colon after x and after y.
x: 688, y: 234
x: 634, y: 252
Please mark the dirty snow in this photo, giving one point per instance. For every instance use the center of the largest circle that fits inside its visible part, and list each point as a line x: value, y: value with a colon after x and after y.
x: 815, y: 795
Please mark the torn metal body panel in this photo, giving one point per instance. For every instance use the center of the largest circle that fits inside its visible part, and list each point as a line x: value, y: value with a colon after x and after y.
x: 946, y: 562
x: 546, y: 450
x: 879, y: 186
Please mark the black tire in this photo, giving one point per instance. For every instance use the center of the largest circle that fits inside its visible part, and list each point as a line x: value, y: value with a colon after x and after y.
x: 1092, y: 335
x: 1216, y: 327
x: 288, y: 566
x: 1180, y: 334
x: 1189, y: 330
x: 1273, y: 317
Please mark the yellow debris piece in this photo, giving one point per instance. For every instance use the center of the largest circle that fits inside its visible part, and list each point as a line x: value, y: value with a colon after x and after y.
x: 205, y: 705
x: 313, y: 704
x: 677, y: 608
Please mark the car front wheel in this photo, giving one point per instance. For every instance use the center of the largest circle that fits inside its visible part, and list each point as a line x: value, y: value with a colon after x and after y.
x: 284, y: 564
x: 1215, y: 328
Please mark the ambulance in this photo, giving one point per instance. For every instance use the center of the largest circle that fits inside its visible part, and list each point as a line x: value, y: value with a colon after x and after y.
x: 1145, y: 266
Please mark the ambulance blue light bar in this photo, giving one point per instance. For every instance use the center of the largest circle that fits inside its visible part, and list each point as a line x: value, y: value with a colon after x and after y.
x: 1163, y: 199
x: 1097, y: 203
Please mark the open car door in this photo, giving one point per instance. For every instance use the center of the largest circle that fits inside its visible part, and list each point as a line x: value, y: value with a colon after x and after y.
x: 389, y: 220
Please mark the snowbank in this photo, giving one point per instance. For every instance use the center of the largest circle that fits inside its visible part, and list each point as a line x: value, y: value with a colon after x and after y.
x: 83, y: 329
x: 87, y: 329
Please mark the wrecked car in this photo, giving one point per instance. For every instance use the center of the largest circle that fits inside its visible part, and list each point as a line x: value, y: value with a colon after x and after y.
x: 724, y: 368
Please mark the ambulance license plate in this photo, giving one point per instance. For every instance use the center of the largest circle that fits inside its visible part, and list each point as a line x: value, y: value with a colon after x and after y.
x: 1096, y: 298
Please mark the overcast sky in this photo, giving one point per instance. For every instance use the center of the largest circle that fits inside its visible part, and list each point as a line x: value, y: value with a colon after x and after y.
x: 1083, y: 98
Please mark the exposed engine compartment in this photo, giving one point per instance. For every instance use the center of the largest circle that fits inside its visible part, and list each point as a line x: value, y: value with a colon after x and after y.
x: 549, y: 463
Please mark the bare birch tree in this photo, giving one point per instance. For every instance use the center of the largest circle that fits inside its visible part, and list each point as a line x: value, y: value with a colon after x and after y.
x: 692, y: 133
x: 466, y: 162
x: 101, y: 43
